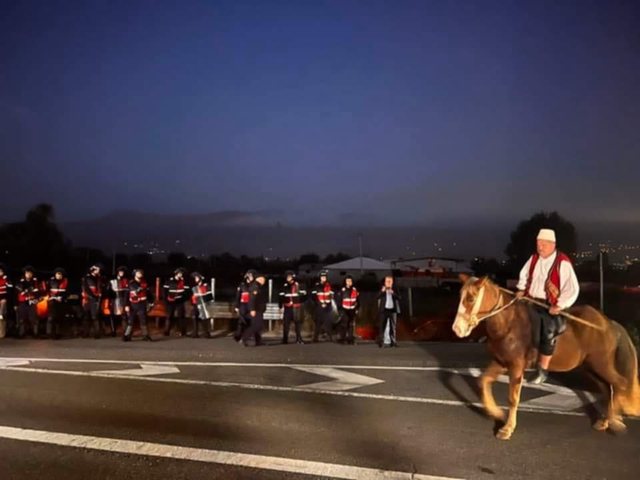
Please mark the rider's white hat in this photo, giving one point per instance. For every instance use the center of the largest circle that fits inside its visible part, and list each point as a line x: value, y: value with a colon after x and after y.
x: 547, y: 234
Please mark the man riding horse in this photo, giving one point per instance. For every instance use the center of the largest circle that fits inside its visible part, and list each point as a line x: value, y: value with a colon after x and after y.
x: 548, y: 276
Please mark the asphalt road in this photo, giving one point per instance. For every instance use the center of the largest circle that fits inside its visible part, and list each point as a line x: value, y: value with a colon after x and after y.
x: 186, y: 408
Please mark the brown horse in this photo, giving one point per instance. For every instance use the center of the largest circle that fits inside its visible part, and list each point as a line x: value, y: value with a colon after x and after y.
x: 607, y: 352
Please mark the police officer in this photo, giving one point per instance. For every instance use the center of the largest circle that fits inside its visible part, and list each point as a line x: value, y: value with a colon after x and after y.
x: 323, y: 297
x: 139, y: 297
x: 57, y: 292
x: 291, y: 298
x: 242, y: 304
x: 176, y: 295
x: 92, y: 293
x: 119, y: 299
x: 257, y: 306
x: 5, y: 286
x: 349, y: 305
x: 200, y: 290
x: 29, y: 293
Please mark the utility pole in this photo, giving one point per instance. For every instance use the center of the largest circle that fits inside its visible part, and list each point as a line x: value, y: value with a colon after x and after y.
x: 601, y: 281
x: 360, y: 248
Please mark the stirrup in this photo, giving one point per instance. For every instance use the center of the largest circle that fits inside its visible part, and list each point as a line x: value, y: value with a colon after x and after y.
x: 540, y: 377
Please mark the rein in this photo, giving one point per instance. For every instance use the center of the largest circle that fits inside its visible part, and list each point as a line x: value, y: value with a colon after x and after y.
x: 473, y: 317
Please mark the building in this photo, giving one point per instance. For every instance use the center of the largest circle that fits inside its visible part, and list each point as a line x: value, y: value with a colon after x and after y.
x: 358, y: 268
x: 430, y: 266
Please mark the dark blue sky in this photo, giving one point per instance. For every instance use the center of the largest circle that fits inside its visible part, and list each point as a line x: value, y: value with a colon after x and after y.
x: 389, y: 112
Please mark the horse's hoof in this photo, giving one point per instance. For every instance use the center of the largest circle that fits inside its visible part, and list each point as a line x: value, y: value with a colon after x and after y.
x: 601, y: 425
x: 504, y: 433
x: 617, y: 426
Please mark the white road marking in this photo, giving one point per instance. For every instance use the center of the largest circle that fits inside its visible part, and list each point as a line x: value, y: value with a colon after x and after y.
x: 144, y: 370
x: 250, y: 386
x: 341, y: 380
x: 13, y: 362
x: 262, y: 462
x: 562, y: 401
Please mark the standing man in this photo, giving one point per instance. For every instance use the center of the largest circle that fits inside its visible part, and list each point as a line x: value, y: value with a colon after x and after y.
x: 175, y: 293
x: 349, y: 305
x: 200, y: 291
x: 291, y: 298
x: 119, y: 295
x: 92, y: 292
x: 323, y: 296
x: 257, y: 306
x: 139, y: 296
x: 57, y: 291
x: 548, y: 276
x: 388, y: 310
x: 28, y: 290
x: 5, y: 285
x: 242, y: 304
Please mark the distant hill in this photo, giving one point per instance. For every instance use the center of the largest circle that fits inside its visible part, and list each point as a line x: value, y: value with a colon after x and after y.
x: 260, y: 233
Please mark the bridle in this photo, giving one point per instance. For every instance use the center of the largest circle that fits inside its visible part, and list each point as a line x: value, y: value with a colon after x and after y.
x: 473, y: 318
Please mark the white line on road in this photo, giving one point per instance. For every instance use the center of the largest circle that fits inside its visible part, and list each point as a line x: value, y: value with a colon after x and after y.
x: 341, y: 380
x: 210, y: 456
x: 144, y: 370
x: 250, y: 386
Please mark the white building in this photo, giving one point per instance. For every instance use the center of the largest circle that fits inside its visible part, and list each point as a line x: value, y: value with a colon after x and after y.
x: 358, y: 267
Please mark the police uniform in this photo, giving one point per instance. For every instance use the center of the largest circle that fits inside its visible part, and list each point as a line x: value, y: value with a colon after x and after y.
x: 57, y: 293
x: 175, y: 294
x: 258, y: 305
x: 242, y: 305
x: 119, y: 300
x: 92, y: 293
x: 198, y: 291
x: 139, y: 296
x: 291, y: 298
x: 323, y: 297
x: 28, y: 294
x: 349, y: 305
x: 5, y: 286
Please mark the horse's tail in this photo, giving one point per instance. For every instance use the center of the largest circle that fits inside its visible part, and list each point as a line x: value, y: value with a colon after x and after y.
x: 626, y: 363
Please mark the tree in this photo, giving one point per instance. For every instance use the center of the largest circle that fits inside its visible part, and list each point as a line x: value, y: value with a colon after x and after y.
x: 308, y: 258
x: 523, y: 238
x: 36, y: 240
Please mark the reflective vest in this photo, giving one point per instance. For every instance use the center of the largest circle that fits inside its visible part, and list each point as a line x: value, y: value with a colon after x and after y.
x: 138, y: 292
x: 349, y: 298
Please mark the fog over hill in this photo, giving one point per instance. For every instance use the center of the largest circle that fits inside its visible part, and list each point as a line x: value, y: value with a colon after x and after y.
x: 263, y: 233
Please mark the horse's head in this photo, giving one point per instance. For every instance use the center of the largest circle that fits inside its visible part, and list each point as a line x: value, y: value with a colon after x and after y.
x: 474, y: 301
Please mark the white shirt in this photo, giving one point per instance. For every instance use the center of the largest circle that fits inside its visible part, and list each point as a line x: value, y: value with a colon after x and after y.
x: 389, y: 300
x: 569, y: 286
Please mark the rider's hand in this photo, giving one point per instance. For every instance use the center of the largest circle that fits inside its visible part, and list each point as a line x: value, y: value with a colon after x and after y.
x: 237, y: 310
x: 555, y: 310
x: 519, y: 294
x: 253, y: 313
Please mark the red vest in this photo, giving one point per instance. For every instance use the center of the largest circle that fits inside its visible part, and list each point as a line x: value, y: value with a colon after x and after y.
x: 552, y: 285
x: 324, y: 295
x: 201, y: 289
x: 58, y: 287
x: 138, y: 292
x: 292, y: 298
x: 349, y: 302
x: 4, y: 285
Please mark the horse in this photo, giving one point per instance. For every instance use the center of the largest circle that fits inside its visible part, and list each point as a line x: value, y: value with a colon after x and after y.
x: 605, y: 349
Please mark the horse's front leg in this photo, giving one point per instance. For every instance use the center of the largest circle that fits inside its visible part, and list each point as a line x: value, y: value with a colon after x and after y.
x: 516, y: 373
x: 493, y: 371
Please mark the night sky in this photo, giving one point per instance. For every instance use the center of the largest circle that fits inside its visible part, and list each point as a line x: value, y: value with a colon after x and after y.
x: 336, y: 112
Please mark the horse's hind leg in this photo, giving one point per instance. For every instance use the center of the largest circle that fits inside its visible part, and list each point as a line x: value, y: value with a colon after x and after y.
x: 489, y: 376
x: 615, y: 382
x: 516, y: 373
